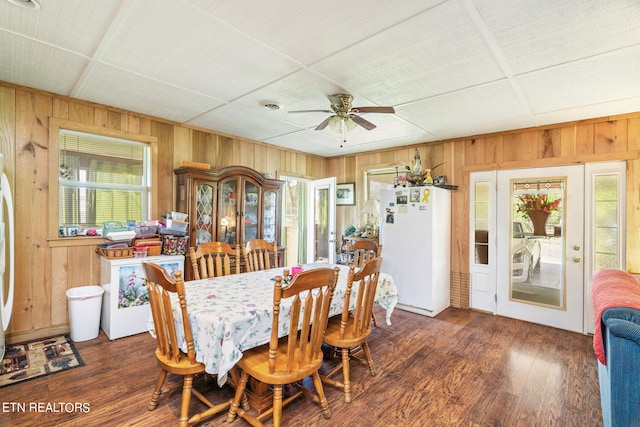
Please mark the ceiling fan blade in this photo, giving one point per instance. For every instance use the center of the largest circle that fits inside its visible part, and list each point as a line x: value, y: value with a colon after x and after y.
x: 362, y: 122
x: 324, y: 123
x: 310, y: 111
x: 373, y: 110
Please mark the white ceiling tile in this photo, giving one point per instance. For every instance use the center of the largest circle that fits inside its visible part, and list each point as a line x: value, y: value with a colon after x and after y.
x: 538, y: 34
x: 255, y: 125
x: 310, y: 31
x: 24, y: 63
x: 591, y: 81
x: 308, y: 141
x: 75, y: 25
x: 603, y: 109
x: 396, y: 142
x: 113, y: 86
x: 175, y: 42
x: 433, y: 53
x: 467, y: 108
x: 299, y: 91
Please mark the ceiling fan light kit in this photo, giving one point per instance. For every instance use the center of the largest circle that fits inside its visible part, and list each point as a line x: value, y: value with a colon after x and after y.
x: 335, y: 123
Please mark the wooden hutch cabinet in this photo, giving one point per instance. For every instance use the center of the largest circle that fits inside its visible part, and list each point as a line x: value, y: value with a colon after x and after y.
x: 234, y: 205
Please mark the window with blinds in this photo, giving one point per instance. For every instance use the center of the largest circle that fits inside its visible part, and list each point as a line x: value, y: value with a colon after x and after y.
x: 102, y: 179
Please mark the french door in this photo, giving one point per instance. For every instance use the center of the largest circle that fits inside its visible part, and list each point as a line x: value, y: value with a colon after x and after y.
x: 543, y: 280
x: 540, y: 270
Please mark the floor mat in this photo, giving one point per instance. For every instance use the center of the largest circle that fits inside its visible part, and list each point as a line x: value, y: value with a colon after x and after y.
x: 38, y: 358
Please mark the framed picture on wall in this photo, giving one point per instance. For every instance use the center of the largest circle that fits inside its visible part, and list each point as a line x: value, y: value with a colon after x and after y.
x: 346, y: 194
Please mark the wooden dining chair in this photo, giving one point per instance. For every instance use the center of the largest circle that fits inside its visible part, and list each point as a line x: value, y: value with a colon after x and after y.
x: 213, y: 259
x: 362, y: 251
x: 342, y: 256
x: 168, y: 355
x: 290, y: 359
x: 259, y: 255
x: 351, y: 330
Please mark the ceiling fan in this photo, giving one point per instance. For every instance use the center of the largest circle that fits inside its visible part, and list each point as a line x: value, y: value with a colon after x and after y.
x: 343, y: 111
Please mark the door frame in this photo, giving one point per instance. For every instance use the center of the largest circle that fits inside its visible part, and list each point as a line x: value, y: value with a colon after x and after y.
x: 330, y: 185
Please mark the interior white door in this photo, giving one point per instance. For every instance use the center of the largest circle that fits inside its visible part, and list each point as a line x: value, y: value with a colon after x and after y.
x: 482, y: 256
x: 540, y: 272
x: 321, y: 210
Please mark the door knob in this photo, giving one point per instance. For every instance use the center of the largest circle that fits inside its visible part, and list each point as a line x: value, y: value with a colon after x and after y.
x: 577, y: 259
x: 576, y: 247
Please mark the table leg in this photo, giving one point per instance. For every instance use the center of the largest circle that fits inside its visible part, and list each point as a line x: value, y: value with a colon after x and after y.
x: 260, y: 395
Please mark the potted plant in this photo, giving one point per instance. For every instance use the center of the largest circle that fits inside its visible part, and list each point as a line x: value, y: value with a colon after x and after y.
x: 538, y: 207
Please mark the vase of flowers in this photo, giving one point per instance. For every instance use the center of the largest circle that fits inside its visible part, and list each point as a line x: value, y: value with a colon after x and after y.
x: 538, y: 207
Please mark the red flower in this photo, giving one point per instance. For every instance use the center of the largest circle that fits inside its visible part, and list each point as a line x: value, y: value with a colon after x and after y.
x: 537, y: 202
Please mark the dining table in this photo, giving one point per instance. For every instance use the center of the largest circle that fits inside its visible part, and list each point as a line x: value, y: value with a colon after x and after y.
x: 231, y: 314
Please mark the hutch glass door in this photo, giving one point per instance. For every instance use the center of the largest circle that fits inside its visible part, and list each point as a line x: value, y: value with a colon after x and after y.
x: 269, y: 216
x: 204, y: 212
x: 251, y: 213
x: 228, y: 212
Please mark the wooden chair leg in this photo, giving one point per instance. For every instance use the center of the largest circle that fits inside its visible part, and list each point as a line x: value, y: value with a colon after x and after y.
x: 277, y: 405
x: 367, y: 353
x: 346, y: 380
x: 186, y: 398
x: 322, y: 399
x: 158, y: 390
x: 241, y: 386
x: 373, y: 318
x: 234, y: 381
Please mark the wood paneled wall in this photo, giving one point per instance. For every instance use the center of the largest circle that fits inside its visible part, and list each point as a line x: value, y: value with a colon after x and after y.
x: 46, y: 267
x: 597, y: 140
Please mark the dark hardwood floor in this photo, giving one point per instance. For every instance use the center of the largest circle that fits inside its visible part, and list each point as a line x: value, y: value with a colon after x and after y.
x: 461, y: 368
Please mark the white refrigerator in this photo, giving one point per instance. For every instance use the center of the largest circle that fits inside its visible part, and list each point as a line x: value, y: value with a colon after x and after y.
x: 7, y: 245
x: 415, y: 231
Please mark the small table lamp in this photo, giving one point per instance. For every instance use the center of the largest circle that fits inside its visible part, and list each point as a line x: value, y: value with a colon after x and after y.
x: 371, y: 208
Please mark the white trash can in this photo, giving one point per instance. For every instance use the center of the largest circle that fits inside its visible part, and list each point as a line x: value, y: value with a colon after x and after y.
x: 85, y: 303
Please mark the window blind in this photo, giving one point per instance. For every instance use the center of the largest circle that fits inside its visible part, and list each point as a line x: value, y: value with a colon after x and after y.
x: 102, y: 179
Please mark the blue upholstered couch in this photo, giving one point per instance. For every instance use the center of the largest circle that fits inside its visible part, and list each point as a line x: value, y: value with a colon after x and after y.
x: 620, y: 377
x: 616, y: 305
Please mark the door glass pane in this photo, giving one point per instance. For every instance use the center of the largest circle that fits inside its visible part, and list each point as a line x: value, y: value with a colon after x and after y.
x: 227, y: 230
x: 251, y: 202
x: 204, y: 213
x: 606, y: 227
x: 537, y: 243
x: 321, y: 225
x: 295, y: 220
x: 269, y: 218
x: 481, y: 221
